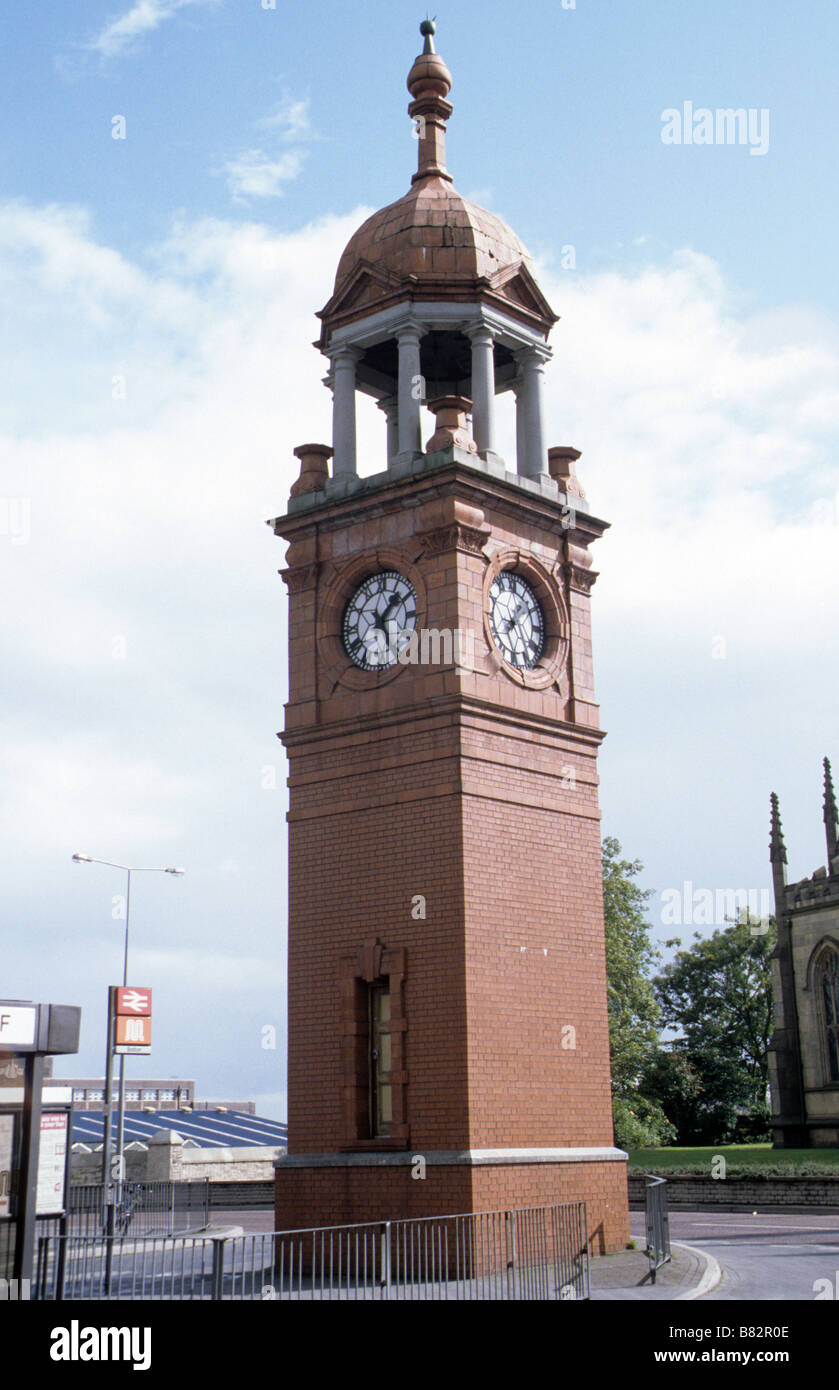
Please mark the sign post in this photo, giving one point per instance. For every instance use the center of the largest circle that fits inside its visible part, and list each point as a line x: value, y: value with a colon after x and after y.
x: 129, y: 1033
x: 30, y: 1032
x: 107, y: 1172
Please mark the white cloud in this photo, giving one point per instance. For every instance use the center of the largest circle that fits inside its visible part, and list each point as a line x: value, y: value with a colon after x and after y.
x: 143, y: 17
x: 290, y: 119
x: 255, y: 174
x: 260, y: 173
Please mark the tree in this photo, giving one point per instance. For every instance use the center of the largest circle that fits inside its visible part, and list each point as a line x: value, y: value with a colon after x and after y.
x: 669, y: 1081
x: 633, y: 1009
x: 718, y: 994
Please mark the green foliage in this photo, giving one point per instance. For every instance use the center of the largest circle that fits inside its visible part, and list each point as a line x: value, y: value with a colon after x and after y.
x: 754, y: 1160
x: 639, y: 1123
x: 718, y: 994
x: 633, y: 1010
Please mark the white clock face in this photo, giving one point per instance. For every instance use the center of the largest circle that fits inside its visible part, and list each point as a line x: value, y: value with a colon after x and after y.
x: 378, y: 620
x: 517, y: 620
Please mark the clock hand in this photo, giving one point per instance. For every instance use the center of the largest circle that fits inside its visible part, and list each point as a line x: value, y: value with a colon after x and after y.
x: 394, y: 603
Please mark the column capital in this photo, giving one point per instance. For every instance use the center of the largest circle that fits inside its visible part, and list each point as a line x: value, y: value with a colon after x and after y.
x: 343, y: 354
x: 480, y: 332
x: 407, y: 332
x: 534, y: 356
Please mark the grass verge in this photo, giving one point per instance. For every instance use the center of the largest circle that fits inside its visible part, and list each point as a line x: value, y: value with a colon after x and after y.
x: 746, y: 1160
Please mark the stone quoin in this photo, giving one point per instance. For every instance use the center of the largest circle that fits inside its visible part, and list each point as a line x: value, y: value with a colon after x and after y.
x: 473, y: 790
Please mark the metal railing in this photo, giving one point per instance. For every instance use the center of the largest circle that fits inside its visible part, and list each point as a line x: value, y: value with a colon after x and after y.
x: 658, y: 1222
x: 534, y: 1253
x: 145, y: 1209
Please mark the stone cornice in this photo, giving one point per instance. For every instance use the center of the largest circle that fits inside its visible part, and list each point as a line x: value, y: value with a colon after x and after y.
x: 460, y: 708
x: 476, y: 481
x: 470, y: 1158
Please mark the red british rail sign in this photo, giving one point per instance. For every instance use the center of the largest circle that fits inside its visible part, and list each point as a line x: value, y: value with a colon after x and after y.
x: 133, y: 1002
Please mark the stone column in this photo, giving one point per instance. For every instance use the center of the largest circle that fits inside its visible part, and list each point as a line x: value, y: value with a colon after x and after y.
x: 483, y: 389
x: 390, y: 408
x: 344, y: 361
x: 521, y: 446
x: 410, y: 390
x: 530, y: 415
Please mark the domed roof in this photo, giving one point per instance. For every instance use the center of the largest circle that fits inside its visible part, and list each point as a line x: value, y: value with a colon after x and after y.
x: 433, y: 242
x: 433, y: 231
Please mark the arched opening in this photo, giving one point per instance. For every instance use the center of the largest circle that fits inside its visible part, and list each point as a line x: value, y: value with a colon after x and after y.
x: 827, y: 993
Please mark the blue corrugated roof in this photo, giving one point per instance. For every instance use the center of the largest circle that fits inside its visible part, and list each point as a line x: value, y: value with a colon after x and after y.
x: 208, y: 1128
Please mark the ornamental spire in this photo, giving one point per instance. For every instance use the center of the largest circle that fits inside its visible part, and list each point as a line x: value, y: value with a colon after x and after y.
x: 777, y: 848
x: 831, y: 817
x: 429, y: 83
x: 778, y: 860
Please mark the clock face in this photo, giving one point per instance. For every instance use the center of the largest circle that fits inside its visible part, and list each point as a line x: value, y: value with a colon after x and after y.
x: 378, y: 620
x: 517, y: 620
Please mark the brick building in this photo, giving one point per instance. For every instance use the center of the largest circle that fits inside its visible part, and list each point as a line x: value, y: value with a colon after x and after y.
x: 448, y: 1032
x: 804, y: 1051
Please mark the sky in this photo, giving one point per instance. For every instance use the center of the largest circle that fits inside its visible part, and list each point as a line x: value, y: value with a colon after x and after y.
x: 178, y: 179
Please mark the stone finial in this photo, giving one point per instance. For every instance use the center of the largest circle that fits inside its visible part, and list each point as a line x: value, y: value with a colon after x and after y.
x: 452, y: 430
x: 429, y: 83
x: 777, y: 848
x: 561, y: 461
x: 831, y: 817
x: 314, y: 468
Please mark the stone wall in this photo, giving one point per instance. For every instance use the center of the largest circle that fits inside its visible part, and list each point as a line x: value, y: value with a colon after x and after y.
x: 742, y: 1194
x: 167, y: 1158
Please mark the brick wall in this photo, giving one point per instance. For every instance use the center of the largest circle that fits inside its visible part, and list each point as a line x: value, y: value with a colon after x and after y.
x: 341, y: 1196
x: 476, y: 790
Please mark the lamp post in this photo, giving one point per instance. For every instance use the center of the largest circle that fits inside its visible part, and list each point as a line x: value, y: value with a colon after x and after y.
x: 107, y: 1176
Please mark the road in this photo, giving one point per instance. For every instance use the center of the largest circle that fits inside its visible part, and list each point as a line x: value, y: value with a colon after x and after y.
x: 767, y: 1256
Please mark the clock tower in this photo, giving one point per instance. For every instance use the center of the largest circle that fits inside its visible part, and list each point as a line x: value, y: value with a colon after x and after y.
x: 448, y: 1031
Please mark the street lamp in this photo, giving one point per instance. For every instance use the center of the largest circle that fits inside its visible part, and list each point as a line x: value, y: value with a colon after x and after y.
x: 106, y: 1146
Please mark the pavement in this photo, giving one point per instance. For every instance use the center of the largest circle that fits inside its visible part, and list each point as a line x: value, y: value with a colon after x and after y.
x: 689, y: 1274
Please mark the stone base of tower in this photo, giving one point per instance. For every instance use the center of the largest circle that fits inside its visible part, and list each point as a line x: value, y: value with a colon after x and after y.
x: 346, y: 1189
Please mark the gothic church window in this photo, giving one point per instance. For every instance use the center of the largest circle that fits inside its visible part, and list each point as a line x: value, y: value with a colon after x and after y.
x: 828, y: 994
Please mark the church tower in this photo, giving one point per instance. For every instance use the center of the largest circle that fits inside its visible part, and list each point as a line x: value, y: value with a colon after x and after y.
x: 804, y: 1050
x: 448, y: 1032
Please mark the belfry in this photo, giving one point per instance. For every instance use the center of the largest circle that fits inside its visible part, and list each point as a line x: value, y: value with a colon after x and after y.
x: 447, y: 1010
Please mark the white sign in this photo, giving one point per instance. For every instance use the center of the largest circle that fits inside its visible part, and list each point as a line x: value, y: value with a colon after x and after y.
x: 52, y: 1161
x: 17, y: 1026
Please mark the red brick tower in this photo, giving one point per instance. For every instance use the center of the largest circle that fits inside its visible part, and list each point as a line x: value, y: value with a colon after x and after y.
x: 447, y: 985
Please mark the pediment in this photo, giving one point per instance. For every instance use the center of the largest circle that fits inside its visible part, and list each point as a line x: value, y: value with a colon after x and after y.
x: 516, y: 283
x: 368, y: 284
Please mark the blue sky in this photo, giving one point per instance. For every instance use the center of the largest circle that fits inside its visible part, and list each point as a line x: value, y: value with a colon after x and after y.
x: 160, y: 293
